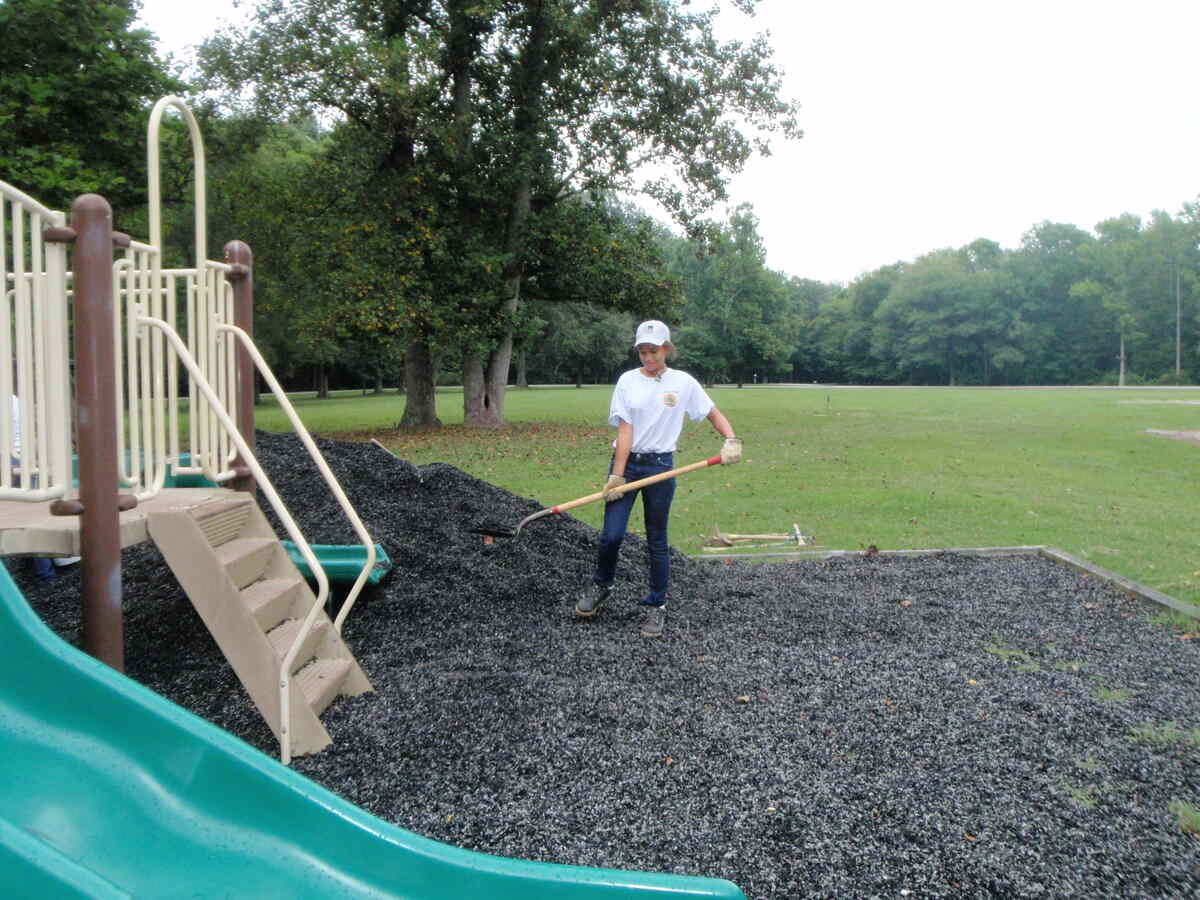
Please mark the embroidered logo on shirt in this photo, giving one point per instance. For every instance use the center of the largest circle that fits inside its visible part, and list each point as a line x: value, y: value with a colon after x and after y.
x: 670, y: 399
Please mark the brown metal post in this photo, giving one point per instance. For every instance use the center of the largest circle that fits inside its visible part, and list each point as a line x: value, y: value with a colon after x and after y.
x: 96, y: 401
x: 241, y: 260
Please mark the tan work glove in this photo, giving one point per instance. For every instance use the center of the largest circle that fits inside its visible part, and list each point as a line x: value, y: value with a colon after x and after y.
x: 614, y: 481
x: 731, y: 451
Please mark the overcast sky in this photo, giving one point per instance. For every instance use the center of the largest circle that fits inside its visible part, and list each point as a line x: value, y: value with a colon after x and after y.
x: 930, y: 123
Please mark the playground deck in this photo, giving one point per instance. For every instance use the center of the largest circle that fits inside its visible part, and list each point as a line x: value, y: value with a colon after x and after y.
x: 29, y: 529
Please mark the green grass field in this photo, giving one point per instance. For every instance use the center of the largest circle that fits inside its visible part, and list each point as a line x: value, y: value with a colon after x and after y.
x: 893, y: 467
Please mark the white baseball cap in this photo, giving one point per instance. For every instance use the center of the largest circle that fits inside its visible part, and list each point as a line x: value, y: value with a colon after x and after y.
x: 652, y: 332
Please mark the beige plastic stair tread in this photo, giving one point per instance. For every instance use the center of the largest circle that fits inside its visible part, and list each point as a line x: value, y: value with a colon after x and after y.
x: 259, y: 594
x: 241, y: 547
x: 320, y: 680
x: 283, y: 636
x: 216, y: 507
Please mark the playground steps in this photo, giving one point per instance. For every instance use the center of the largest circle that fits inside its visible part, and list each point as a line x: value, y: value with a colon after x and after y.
x: 254, y: 601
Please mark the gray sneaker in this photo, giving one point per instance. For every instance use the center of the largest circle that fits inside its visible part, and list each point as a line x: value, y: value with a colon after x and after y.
x: 654, y: 620
x: 589, y: 604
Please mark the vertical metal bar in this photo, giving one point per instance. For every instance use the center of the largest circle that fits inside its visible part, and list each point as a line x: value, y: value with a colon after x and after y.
x: 37, y: 427
x: 168, y: 288
x: 24, y: 375
x: 159, y: 386
x: 103, y: 627
x: 58, y: 363
x: 121, y: 302
x: 7, y: 387
x: 241, y: 276
x: 144, y: 455
x: 133, y: 365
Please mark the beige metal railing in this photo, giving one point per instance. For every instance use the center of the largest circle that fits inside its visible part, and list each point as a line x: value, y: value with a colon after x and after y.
x: 35, y: 383
x: 326, y: 473
x: 226, y: 423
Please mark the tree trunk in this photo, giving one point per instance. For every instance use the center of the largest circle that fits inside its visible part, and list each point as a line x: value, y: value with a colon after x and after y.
x: 1121, y: 375
x: 378, y: 389
x: 474, y: 394
x: 522, y: 371
x: 527, y: 122
x: 420, y: 406
x: 322, y: 382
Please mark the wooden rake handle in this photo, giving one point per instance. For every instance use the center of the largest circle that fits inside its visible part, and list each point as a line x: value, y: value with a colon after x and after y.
x: 628, y: 486
x: 640, y: 483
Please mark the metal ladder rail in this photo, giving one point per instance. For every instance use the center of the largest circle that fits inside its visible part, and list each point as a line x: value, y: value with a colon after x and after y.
x: 330, y: 479
x: 277, y: 504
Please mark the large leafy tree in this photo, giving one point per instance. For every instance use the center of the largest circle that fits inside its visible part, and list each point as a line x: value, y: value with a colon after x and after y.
x: 474, y: 119
x: 1109, y: 291
x: 76, y: 83
x: 1058, y: 342
x: 1165, y: 272
x: 599, y: 92
x: 946, y: 318
x: 739, y: 320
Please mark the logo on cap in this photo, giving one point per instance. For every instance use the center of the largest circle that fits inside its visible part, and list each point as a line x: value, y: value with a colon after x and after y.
x: 652, y: 332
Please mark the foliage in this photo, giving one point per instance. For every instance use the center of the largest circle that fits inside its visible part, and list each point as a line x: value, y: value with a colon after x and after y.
x: 1066, y: 306
x: 466, y: 132
x: 738, y: 324
x: 76, y: 84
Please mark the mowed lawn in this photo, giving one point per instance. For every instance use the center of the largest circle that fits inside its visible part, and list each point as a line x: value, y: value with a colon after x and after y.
x: 855, y: 467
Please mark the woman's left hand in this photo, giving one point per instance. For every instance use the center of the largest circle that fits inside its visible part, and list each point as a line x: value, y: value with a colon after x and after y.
x: 731, y: 451
x: 614, y: 482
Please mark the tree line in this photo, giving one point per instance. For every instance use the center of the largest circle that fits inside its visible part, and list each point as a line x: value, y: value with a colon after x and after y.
x: 442, y: 191
x: 1067, y: 306
x: 1113, y: 305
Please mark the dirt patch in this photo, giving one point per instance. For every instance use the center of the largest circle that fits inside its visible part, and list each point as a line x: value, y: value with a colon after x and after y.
x: 1192, y: 437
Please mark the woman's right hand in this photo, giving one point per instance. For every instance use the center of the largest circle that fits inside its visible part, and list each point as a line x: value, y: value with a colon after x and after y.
x: 614, y: 481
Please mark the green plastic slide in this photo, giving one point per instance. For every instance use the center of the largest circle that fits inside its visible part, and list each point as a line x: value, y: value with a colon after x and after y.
x: 342, y: 562
x: 108, y: 790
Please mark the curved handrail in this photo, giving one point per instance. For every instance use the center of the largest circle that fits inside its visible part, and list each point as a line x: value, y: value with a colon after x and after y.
x: 330, y: 479
x: 289, y: 524
x: 200, y: 213
x: 31, y: 205
x: 213, y: 450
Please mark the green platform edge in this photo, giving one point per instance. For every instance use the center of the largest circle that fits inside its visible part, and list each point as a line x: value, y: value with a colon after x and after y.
x: 342, y: 562
x: 109, y: 790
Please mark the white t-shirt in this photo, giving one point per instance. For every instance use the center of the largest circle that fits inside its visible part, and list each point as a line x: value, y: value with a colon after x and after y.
x: 655, y: 407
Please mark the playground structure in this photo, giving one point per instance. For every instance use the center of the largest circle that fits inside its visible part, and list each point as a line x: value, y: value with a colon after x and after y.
x: 200, y: 811
x: 128, y: 356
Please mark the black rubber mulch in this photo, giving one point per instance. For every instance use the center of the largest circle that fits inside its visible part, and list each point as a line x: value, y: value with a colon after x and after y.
x: 944, y: 726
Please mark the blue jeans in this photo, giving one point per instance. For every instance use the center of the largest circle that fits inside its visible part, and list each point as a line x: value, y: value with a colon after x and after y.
x: 656, y: 507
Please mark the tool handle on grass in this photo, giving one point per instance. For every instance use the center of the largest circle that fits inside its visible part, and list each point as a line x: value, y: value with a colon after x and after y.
x: 641, y: 482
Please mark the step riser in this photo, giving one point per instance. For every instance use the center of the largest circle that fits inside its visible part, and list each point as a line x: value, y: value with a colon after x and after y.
x: 222, y: 521
x: 322, y: 682
x: 221, y: 530
x: 249, y: 567
x: 284, y: 603
x: 282, y: 642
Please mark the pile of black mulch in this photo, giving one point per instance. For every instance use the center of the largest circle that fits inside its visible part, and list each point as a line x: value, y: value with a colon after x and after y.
x: 942, y: 726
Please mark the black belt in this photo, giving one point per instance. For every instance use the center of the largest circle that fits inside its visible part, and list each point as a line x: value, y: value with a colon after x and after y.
x: 648, y: 457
